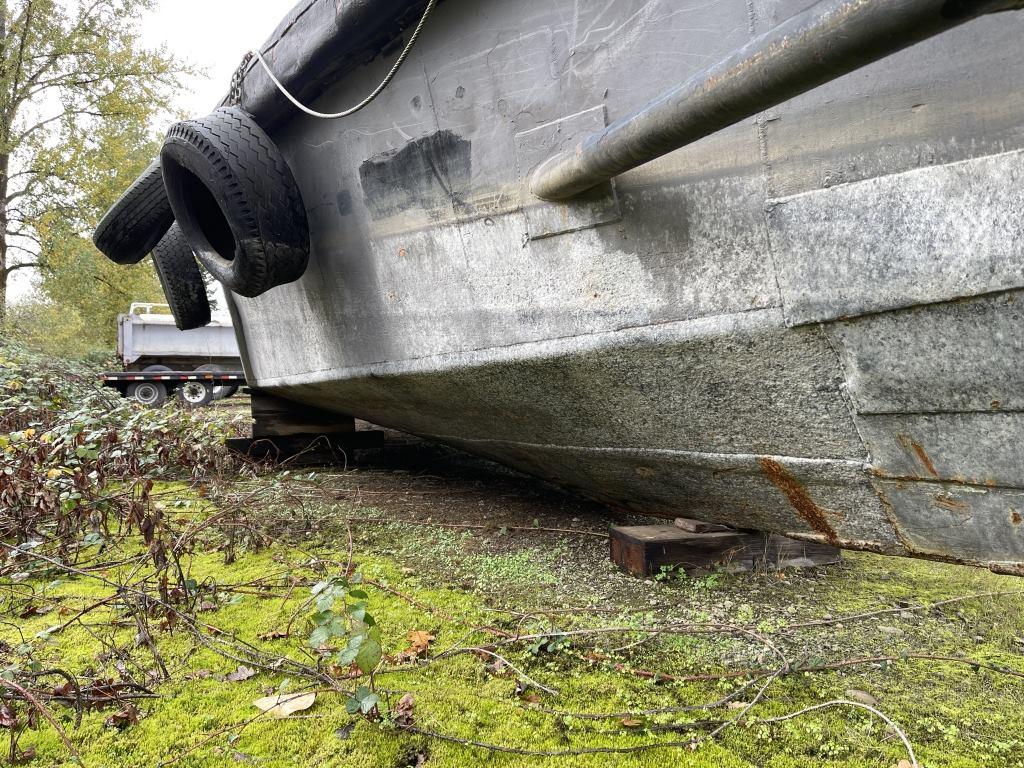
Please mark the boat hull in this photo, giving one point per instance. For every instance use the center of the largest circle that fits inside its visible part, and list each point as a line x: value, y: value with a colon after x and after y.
x: 809, y: 323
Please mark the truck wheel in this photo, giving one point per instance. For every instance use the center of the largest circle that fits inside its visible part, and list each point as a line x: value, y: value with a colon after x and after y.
x: 136, y: 222
x: 235, y: 198
x: 149, y: 393
x: 181, y: 280
x: 220, y: 391
x: 195, y: 394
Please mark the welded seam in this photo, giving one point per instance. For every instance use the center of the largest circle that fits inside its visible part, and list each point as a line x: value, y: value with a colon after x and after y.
x: 705, y: 457
x: 967, y: 484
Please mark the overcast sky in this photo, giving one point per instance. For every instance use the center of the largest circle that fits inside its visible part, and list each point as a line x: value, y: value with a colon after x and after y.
x: 210, y: 34
x: 214, y: 35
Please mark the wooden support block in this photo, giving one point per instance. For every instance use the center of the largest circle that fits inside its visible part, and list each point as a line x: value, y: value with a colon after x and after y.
x: 698, y: 526
x: 643, y: 550
x: 275, y: 417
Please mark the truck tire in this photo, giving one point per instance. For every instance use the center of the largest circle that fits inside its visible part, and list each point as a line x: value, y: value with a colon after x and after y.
x: 136, y: 222
x: 194, y: 394
x: 220, y: 391
x: 181, y: 280
x: 150, y: 393
x: 236, y: 200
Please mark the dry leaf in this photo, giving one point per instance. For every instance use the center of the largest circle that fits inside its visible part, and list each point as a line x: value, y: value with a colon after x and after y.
x: 904, y: 764
x: 631, y: 723
x: 285, y: 704
x: 403, y: 714
x: 419, y: 640
x: 350, y: 672
x: 127, y: 715
x: 274, y: 634
x: 862, y: 697
x: 240, y: 674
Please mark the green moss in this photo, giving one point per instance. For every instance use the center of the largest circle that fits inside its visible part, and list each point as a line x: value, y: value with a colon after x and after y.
x: 454, y: 584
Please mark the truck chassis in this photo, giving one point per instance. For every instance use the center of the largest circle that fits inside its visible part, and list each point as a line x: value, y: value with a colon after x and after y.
x: 193, y: 389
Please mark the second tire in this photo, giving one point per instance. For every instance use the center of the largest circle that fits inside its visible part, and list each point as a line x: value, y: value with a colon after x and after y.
x: 181, y: 280
x: 136, y: 222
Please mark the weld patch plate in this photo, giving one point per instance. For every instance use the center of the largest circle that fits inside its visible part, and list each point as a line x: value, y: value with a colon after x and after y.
x: 984, y: 526
x: 927, y: 235
x: 596, y: 206
x: 978, y: 448
x: 957, y: 356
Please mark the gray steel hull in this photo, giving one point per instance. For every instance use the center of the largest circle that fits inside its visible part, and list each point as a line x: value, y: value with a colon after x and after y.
x: 809, y: 323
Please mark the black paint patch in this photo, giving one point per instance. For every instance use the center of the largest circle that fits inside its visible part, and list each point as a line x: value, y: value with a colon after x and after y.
x: 431, y: 173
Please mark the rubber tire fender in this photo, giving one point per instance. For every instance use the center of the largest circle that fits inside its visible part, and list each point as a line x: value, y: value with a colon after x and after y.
x: 181, y: 280
x: 136, y: 222
x: 236, y: 200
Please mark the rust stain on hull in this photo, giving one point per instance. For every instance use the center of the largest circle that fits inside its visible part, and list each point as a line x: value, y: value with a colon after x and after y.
x: 948, y: 501
x: 911, y: 446
x: 798, y: 497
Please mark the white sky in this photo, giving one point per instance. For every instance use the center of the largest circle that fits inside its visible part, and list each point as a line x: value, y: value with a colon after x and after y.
x: 209, y: 34
x: 214, y: 35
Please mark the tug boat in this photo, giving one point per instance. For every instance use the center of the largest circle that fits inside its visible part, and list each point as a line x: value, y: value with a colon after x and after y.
x: 756, y: 263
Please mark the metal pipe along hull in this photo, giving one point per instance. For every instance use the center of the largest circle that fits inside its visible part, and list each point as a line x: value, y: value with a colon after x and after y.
x: 824, y: 42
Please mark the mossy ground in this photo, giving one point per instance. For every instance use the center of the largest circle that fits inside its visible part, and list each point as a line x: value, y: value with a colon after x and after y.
x: 454, y: 580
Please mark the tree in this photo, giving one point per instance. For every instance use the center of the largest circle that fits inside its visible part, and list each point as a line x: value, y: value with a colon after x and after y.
x: 73, y: 83
x: 77, y: 278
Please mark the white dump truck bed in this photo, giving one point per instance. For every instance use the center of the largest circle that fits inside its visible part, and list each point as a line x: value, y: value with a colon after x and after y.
x: 146, y: 334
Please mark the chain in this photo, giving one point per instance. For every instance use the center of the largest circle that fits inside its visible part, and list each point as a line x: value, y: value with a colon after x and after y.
x: 235, y: 94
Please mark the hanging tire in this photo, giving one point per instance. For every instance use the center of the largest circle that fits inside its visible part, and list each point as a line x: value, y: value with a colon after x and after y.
x: 235, y: 198
x: 181, y: 280
x: 150, y: 393
x: 195, y: 394
x: 136, y: 222
x: 220, y: 391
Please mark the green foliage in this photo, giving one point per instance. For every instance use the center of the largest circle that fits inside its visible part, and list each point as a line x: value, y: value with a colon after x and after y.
x: 79, y: 100
x: 54, y: 330
x: 77, y: 278
x: 341, y: 615
x: 68, y: 447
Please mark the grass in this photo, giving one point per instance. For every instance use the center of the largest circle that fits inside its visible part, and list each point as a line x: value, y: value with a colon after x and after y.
x: 453, y: 582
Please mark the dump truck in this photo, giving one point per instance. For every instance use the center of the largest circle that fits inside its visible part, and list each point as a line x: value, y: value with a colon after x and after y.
x: 196, y: 366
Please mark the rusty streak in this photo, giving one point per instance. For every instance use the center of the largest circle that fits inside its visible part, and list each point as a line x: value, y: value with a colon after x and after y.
x: 950, y: 502
x: 798, y: 497
x: 911, y: 446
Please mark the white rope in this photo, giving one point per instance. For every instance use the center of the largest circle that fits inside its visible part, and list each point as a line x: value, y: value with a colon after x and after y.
x: 376, y: 92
